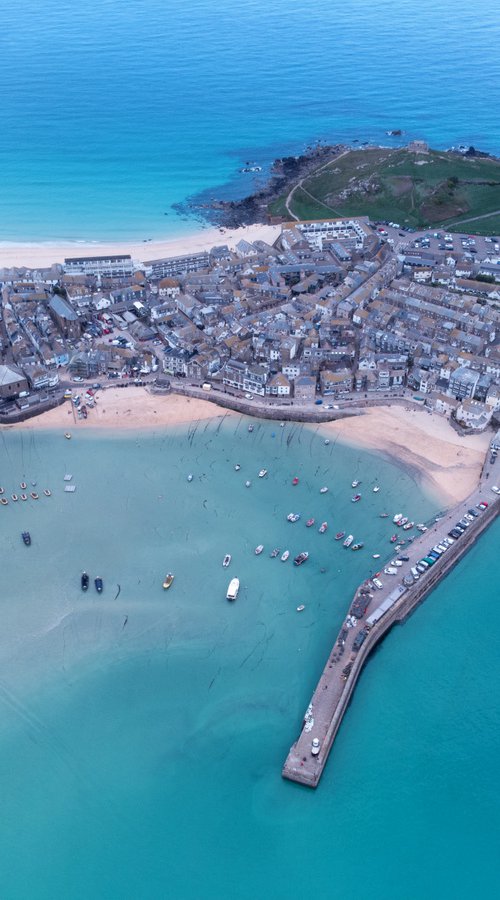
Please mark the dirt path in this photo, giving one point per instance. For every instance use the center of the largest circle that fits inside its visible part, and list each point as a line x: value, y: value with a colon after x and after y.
x: 300, y: 185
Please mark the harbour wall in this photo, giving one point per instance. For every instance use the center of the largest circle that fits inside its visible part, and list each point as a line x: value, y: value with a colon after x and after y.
x: 332, y: 695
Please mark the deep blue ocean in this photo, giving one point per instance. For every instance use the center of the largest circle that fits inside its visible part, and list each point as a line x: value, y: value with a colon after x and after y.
x: 112, y: 111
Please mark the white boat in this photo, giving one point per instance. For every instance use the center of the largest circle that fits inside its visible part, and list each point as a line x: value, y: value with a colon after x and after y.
x: 327, y: 441
x: 376, y: 489
x: 322, y: 528
x: 293, y: 517
x: 355, y: 483
x: 300, y: 608
x: 226, y: 560
x: 323, y: 490
x: 348, y: 541
x: 190, y: 477
x: 408, y: 525
x: 262, y: 473
x: 237, y: 467
x: 397, y: 518
x: 258, y: 550
x: 233, y: 588
x: 376, y: 556
x: 285, y: 555
x: 247, y: 483
x: 403, y: 521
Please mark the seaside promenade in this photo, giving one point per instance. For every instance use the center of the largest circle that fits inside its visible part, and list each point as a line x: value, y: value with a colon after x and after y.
x: 334, y: 690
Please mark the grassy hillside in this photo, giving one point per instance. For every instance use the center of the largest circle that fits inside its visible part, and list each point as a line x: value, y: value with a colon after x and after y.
x: 396, y: 185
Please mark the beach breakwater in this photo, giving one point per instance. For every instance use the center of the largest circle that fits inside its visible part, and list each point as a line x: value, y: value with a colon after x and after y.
x: 334, y: 690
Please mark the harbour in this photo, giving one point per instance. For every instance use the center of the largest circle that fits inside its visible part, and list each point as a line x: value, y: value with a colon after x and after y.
x: 358, y: 636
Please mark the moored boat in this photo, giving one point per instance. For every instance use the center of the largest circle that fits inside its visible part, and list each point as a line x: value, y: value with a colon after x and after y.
x: 84, y: 581
x: 348, y: 541
x: 47, y: 492
x: 376, y: 489
x: 339, y: 535
x: 403, y: 521
x: 357, y: 546
x: 98, y: 584
x: 23, y: 485
x: 355, y: 483
x: 384, y: 515
x: 15, y: 497
x: 393, y: 538
x: 293, y: 517
x: 301, y: 558
x: 26, y: 538
x: 274, y: 553
x: 376, y: 556
x: 309, y: 523
x: 34, y: 495
x: 295, y: 481
x: 250, y: 428
x: 262, y: 473
x: 2, y: 491
x: 323, y: 490
x: 285, y: 556
x: 327, y: 441
x: 258, y: 550
x: 67, y: 435
x: 226, y: 560
x: 247, y: 483
x: 190, y: 477
x: 300, y: 608
x: 168, y: 581
x: 4, y: 501
x: 356, y: 498
x: 408, y: 525
x: 323, y: 527
x: 233, y: 588
x: 24, y: 496
x: 237, y: 467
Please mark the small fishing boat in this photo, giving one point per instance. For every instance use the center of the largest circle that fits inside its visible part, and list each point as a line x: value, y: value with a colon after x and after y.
x: 15, y: 497
x: 403, y: 521
x: 98, y: 584
x: 327, y: 441
x: 2, y: 491
x: 339, y: 535
x: 355, y: 483
x: 323, y: 490
x: 24, y: 496
x: 293, y: 517
x: 84, y: 581
x: 301, y: 558
x: 26, y: 538
x: 67, y: 435
x: 348, y: 541
x: 356, y: 498
x: 376, y: 556
x: 47, y: 492
x: 323, y: 527
x: 4, y: 501
x: 295, y: 480
x: 384, y: 515
x: 376, y: 489
x: 408, y: 525
x: 23, y: 485
x: 258, y: 550
x: 309, y: 523
x: 190, y: 477
x: 168, y: 581
x: 262, y: 473
x: 274, y: 553
x: 226, y: 560
x: 233, y: 588
x: 247, y: 483
x: 397, y: 518
x: 250, y: 428
x: 357, y: 546
x: 34, y: 495
x: 300, y: 608
x: 285, y: 556
x: 237, y: 467
x: 393, y: 538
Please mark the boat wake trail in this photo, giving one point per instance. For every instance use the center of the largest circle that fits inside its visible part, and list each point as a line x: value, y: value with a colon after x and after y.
x: 118, y: 591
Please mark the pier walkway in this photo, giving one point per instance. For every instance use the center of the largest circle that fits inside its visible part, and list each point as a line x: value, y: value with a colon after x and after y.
x: 335, y: 688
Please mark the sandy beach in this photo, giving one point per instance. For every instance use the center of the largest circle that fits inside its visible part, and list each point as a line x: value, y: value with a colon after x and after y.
x: 33, y: 255
x: 448, y: 464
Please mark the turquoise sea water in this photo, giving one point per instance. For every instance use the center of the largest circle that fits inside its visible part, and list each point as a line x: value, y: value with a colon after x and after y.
x: 111, y: 111
x: 143, y: 734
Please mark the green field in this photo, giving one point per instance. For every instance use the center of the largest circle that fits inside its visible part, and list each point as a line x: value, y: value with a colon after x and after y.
x: 397, y: 185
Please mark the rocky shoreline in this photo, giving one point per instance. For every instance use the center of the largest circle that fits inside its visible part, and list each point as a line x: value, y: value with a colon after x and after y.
x: 252, y: 209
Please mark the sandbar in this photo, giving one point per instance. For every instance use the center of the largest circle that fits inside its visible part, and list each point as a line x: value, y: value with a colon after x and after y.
x: 446, y: 463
